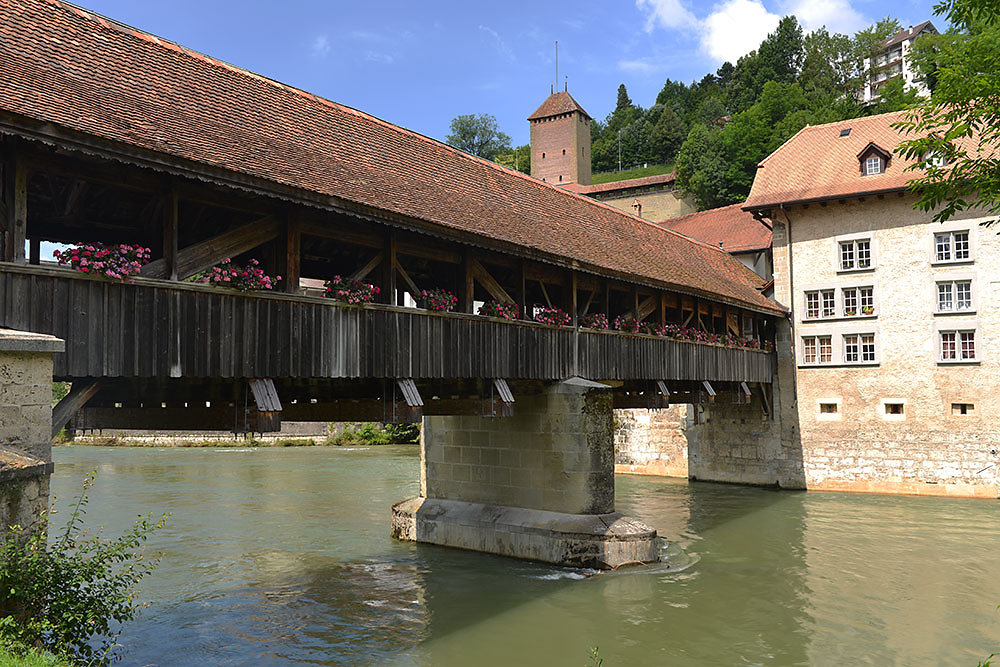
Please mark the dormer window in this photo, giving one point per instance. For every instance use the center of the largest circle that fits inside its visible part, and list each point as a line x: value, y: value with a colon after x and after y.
x: 874, y: 160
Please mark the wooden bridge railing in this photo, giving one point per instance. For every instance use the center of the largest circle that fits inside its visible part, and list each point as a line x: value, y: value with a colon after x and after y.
x: 155, y: 328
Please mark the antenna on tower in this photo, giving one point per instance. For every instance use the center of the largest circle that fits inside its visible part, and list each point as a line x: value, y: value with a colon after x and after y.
x: 567, y: 83
x: 557, y: 61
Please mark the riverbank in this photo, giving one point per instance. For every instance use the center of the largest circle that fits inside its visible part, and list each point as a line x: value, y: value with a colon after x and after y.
x: 117, y: 441
x: 30, y: 659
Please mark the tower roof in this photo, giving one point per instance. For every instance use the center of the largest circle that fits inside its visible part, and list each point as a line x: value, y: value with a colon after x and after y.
x: 557, y: 104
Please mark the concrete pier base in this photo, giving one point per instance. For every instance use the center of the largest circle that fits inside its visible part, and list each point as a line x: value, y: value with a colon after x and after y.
x: 538, y: 485
x: 599, y: 541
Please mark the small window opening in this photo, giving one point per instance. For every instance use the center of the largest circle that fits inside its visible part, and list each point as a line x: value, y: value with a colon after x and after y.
x: 564, y: 151
x: 966, y: 409
x: 560, y: 178
x: 845, y: 132
x: 828, y: 408
x: 893, y: 408
x: 543, y: 156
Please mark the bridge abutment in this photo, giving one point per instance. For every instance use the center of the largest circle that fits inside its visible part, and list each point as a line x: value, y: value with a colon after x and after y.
x: 25, y: 426
x: 537, y: 485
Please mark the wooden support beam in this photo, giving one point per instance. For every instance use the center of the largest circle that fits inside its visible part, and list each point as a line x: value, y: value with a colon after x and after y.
x: 19, y: 220
x: 467, y: 291
x: 586, y: 306
x: 573, y: 301
x: 522, y: 290
x: 171, y: 221
x: 496, y: 291
x: 293, y: 257
x: 389, y: 268
x: 414, y: 290
x: 34, y: 251
x: 73, y: 197
x: 369, y: 267
x: 202, y: 255
x: 345, y: 234
x: 79, y: 394
x: 545, y: 293
x: 646, y: 308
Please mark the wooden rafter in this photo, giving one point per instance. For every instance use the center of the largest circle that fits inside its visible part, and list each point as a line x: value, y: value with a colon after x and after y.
x: 202, y: 255
x: 369, y: 267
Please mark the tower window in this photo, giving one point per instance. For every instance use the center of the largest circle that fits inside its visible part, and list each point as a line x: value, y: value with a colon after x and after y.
x: 564, y: 151
x: 543, y: 156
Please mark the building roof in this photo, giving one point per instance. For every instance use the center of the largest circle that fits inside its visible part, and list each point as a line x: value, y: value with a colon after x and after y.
x: 67, y: 71
x: 729, y: 227
x: 557, y: 104
x: 630, y: 184
x: 818, y: 163
x: 909, y: 33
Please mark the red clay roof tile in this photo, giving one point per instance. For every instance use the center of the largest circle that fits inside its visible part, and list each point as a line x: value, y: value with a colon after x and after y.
x: 729, y: 227
x: 185, y: 105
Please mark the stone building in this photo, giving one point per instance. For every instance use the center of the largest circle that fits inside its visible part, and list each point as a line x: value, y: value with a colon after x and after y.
x: 892, y: 345
x: 893, y: 60
x: 654, y: 198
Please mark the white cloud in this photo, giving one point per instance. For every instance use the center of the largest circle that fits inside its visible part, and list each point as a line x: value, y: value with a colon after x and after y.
x: 378, y: 57
x: 836, y: 15
x: 735, y: 28
x: 637, y: 66
x: 501, y: 45
x: 320, y: 46
x: 666, y: 14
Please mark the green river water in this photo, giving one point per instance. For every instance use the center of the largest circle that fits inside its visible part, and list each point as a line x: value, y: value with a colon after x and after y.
x: 283, y: 557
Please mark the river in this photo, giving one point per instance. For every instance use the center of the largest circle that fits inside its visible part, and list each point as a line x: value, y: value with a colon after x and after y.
x: 283, y: 557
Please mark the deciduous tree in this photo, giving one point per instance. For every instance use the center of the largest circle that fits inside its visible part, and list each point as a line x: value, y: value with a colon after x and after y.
x: 478, y: 135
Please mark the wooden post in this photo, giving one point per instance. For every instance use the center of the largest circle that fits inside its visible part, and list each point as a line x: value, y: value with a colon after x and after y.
x: 661, y: 318
x: 467, y: 296
x: 606, y: 300
x: 635, y: 302
x: 389, y: 269
x: 522, y: 291
x: 293, y: 256
x: 171, y: 210
x: 35, y: 251
x: 18, y: 232
x: 574, y: 296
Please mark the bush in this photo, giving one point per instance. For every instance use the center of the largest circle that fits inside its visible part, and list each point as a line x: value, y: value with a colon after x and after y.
x: 350, y: 291
x: 243, y: 278
x: 371, y: 433
x: 438, y: 300
x: 502, y: 309
x: 115, y: 261
x: 71, y: 597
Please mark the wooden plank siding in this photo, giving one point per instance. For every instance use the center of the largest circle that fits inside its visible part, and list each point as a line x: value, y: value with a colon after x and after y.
x: 155, y: 328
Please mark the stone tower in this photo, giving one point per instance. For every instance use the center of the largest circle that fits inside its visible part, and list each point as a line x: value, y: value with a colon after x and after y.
x: 560, y: 141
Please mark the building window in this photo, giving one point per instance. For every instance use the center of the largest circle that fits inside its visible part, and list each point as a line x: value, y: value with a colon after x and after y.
x: 867, y: 295
x: 952, y: 247
x: 850, y: 302
x: 828, y: 408
x: 856, y: 254
x: 958, y: 345
x: 812, y: 305
x: 817, y: 350
x: 560, y: 178
x: 543, y: 156
x: 873, y: 165
x: 963, y: 409
x: 859, y: 348
x: 954, y: 295
x: 893, y: 408
x: 564, y: 151
x: 829, y: 303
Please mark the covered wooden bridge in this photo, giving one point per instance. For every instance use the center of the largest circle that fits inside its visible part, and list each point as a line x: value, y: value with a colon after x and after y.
x: 111, y: 135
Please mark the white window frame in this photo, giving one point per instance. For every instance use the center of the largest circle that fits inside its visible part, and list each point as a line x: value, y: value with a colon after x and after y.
x: 853, y: 240
x: 951, y: 289
x: 958, y: 332
x: 860, y: 342
x: 817, y: 340
x: 948, y: 232
x: 873, y: 165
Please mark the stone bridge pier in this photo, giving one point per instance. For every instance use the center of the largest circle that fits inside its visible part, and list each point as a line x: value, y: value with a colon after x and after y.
x: 25, y: 426
x: 537, y: 485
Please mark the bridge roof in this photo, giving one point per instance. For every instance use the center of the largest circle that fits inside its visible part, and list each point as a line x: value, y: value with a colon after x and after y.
x: 74, y: 70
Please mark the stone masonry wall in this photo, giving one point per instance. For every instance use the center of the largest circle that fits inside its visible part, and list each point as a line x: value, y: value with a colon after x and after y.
x: 652, y: 442
x: 555, y: 453
x: 656, y: 206
x: 25, y: 426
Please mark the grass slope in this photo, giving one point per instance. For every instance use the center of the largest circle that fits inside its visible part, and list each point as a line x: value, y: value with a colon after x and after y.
x: 638, y: 172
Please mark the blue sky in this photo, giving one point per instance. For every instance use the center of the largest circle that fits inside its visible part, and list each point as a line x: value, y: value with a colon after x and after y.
x: 419, y: 64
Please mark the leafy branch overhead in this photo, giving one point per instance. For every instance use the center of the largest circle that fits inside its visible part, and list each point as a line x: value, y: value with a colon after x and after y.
x: 956, y: 134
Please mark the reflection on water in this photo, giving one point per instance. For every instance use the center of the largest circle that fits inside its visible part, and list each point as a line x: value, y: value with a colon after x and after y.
x: 283, y: 556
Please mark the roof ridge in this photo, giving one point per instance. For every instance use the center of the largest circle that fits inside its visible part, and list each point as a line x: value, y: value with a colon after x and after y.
x: 150, y: 37
x: 114, y: 24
